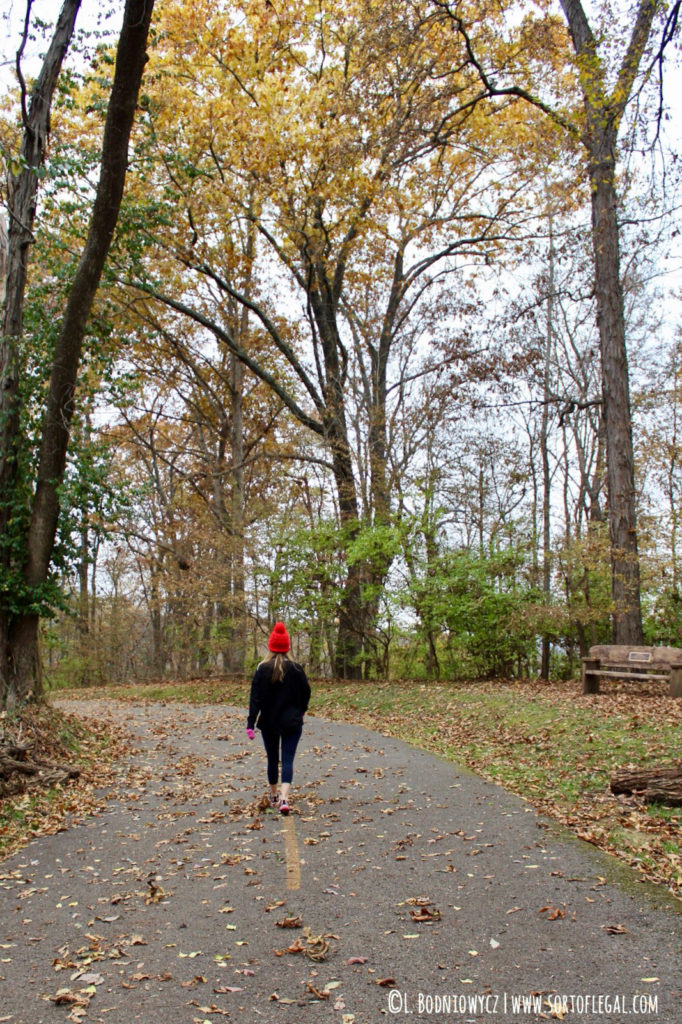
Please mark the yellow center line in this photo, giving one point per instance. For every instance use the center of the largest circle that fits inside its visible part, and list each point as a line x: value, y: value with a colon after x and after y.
x: 293, y: 861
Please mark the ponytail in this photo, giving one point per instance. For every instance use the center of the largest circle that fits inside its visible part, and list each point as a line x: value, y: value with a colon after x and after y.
x: 279, y: 662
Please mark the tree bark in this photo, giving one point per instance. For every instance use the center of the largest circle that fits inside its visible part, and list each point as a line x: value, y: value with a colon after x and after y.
x: 664, y: 791
x: 130, y: 61
x: 629, y: 780
x: 657, y: 785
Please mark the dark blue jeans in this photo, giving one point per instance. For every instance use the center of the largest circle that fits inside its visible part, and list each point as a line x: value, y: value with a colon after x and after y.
x: 288, y: 743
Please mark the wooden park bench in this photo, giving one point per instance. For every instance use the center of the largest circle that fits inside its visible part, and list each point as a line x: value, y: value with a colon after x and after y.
x: 639, y: 663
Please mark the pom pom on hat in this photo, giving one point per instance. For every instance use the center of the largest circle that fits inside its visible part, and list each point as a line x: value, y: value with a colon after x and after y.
x: 279, y: 639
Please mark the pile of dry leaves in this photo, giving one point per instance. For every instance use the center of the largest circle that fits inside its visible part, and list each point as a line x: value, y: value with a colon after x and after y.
x: 50, y: 766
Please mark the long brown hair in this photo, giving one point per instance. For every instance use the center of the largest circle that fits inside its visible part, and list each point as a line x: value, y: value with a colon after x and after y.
x: 279, y: 661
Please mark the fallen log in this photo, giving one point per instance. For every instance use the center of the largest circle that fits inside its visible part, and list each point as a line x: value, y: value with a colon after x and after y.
x: 19, y: 770
x: 10, y: 764
x: 664, y: 791
x: 655, y: 785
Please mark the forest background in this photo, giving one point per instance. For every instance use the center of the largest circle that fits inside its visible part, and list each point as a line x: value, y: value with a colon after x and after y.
x: 344, y: 365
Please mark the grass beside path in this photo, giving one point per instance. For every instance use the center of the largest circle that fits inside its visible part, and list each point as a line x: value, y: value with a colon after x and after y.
x: 550, y: 744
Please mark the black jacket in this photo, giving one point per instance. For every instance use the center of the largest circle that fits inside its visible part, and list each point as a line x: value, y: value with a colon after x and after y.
x: 278, y: 707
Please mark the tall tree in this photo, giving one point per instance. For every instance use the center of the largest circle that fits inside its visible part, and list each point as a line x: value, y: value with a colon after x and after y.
x: 21, y: 670
x: 354, y: 148
x: 604, y: 109
x: 607, y: 86
x: 14, y: 262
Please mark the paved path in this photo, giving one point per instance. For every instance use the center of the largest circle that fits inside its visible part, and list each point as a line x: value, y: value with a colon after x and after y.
x: 430, y: 894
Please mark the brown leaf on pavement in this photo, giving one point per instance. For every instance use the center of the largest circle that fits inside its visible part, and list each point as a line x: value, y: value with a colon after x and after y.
x: 274, y: 905
x: 555, y: 913
x: 290, y: 922
x: 156, y: 891
x: 426, y: 915
x: 67, y: 997
x: 318, y: 993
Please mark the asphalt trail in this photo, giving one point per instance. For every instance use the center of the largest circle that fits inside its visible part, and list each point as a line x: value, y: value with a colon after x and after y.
x: 400, y: 888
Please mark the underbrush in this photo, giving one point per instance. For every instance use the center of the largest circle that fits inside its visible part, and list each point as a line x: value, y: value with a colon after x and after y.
x: 51, y: 766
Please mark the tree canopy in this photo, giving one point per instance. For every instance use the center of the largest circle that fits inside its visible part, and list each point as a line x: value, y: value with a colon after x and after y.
x: 362, y: 352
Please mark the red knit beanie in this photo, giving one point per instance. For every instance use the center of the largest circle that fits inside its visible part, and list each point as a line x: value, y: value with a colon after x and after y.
x: 279, y: 639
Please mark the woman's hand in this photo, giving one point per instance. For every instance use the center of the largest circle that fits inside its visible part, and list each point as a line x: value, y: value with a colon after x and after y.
x: 250, y: 733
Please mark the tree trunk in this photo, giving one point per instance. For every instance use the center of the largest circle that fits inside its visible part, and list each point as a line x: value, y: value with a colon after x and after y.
x: 130, y: 60
x: 620, y: 464
x: 22, y: 199
x: 26, y: 678
x: 158, y: 651
x: 603, y: 114
x: 237, y: 609
x: 351, y: 610
x: 23, y: 190
x: 544, y: 447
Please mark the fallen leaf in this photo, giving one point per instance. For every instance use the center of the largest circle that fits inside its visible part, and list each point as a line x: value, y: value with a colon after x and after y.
x: 67, y: 997
x: 196, y: 980
x: 425, y: 914
x: 274, y: 905
x: 156, y: 892
x: 555, y: 913
x: 316, y: 947
x: 91, y: 979
x: 317, y: 992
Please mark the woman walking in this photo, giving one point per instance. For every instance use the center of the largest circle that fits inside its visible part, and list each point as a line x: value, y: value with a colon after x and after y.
x: 280, y: 694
